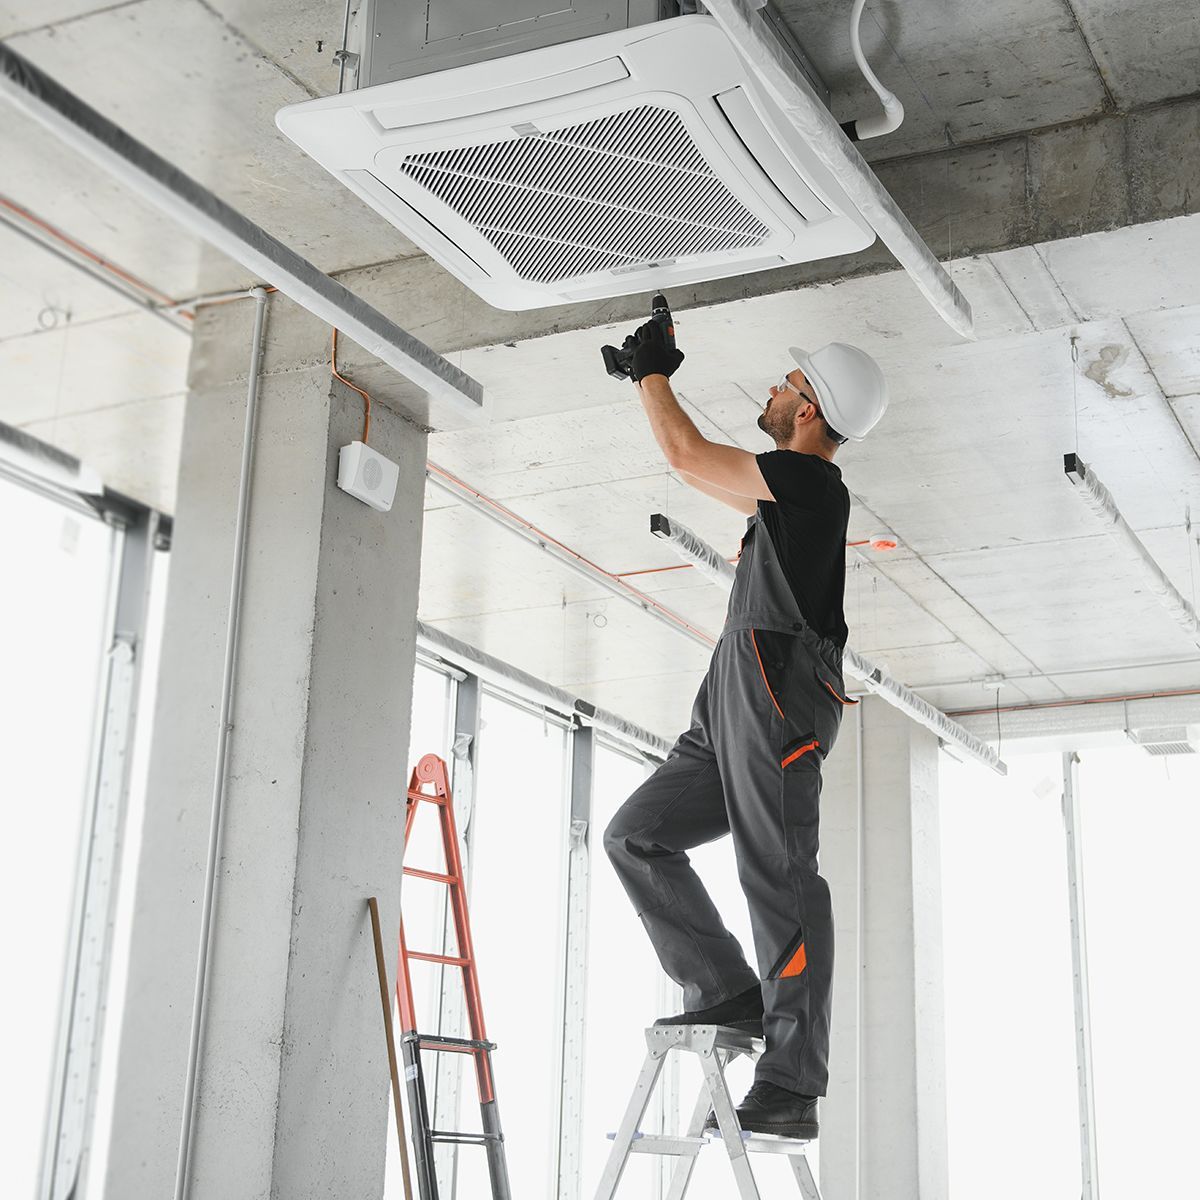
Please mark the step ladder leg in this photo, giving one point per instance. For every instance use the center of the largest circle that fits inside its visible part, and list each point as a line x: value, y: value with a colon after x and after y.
x: 682, y: 1175
x: 619, y: 1155
x: 418, y: 1107
x: 804, y: 1177
x: 731, y: 1133
x: 497, y: 1162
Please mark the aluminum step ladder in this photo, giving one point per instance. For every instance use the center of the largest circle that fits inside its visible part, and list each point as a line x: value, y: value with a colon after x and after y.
x: 716, y: 1047
x: 431, y: 770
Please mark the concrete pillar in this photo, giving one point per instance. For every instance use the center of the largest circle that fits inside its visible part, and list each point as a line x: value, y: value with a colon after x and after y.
x: 293, y: 1083
x: 891, y: 1068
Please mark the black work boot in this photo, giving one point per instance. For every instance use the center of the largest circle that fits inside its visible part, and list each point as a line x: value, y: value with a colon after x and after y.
x: 769, y: 1108
x: 743, y: 1012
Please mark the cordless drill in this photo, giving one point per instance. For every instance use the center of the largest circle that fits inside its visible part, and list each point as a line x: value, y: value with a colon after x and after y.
x: 619, y: 363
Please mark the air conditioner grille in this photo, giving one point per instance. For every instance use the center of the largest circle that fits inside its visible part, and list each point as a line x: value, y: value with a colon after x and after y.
x: 625, y: 189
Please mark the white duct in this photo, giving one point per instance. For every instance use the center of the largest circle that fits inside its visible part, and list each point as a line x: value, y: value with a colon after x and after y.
x: 769, y: 59
x: 1098, y: 498
x: 694, y: 549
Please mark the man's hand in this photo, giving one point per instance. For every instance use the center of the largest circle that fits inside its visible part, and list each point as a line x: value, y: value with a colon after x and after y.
x: 653, y: 356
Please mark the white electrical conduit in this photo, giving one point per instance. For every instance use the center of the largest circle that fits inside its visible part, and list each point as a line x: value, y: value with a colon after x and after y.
x: 774, y: 67
x: 221, y: 767
x: 694, y: 549
x: 893, y: 110
x: 1098, y: 498
x: 505, y: 675
x: 451, y: 392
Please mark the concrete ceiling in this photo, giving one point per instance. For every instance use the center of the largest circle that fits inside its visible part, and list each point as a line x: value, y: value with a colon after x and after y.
x: 1000, y: 573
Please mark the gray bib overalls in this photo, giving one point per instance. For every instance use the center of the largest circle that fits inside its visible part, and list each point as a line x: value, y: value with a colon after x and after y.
x: 764, y: 719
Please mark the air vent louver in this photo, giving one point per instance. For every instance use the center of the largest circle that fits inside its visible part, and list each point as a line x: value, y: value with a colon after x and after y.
x: 619, y: 191
x: 1161, y: 740
x: 639, y: 160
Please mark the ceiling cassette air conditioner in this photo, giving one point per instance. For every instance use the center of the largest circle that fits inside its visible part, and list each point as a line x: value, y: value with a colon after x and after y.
x: 633, y: 161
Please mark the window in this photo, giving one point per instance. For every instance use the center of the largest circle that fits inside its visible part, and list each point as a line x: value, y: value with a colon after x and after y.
x: 518, y: 858
x: 1010, y: 1041
x: 624, y: 985
x: 54, y: 610
x: 1140, y: 826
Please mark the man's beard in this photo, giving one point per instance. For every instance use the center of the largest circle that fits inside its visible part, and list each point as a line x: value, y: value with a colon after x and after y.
x: 774, y: 427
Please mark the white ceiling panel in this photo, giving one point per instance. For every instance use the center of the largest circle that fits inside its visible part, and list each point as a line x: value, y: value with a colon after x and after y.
x: 91, y: 366
x: 1170, y: 341
x: 126, y: 444
x: 1065, y: 604
x: 18, y: 16
x: 38, y: 290
x: 224, y: 136
x: 471, y: 565
x: 1132, y: 270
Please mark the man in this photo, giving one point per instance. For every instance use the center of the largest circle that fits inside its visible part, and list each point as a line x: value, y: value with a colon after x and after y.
x: 765, y: 718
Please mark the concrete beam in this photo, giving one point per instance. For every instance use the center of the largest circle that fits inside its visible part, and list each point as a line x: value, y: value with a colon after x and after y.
x: 292, y: 1086
x: 1103, y: 173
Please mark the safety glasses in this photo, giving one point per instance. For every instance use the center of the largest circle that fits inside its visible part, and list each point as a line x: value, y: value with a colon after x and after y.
x: 786, y: 385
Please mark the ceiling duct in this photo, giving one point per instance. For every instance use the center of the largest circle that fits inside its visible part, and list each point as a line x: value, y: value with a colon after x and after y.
x: 1164, y: 740
x: 542, y: 162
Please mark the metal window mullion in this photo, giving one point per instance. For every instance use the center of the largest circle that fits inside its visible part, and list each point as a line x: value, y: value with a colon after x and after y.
x: 1083, y: 1034
x: 451, y: 1015
x: 73, y: 1098
x: 574, y: 974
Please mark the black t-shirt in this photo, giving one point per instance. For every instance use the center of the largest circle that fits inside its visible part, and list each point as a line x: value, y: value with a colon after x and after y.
x: 807, y: 523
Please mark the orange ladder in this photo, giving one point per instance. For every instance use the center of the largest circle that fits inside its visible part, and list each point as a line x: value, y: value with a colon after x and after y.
x: 431, y: 771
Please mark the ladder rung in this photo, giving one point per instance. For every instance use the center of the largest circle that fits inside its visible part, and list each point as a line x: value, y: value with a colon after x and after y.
x: 650, y: 1143
x: 430, y: 1041
x: 447, y: 960
x: 465, y: 1139
x: 436, y: 876
x: 426, y: 796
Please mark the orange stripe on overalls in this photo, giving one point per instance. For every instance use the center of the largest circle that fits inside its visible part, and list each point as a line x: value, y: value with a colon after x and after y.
x: 796, y: 964
x: 795, y: 754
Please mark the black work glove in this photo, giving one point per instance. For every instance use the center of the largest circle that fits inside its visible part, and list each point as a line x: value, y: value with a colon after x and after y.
x: 653, y: 356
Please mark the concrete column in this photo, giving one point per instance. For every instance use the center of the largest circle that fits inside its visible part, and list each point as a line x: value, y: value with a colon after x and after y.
x: 293, y: 1084
x: 891, y: 1068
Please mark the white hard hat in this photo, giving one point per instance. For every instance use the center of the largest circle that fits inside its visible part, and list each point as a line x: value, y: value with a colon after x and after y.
x: 849, y: 385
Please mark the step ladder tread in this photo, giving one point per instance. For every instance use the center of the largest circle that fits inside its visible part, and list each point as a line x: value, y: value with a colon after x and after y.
x: 770, y: 1143
x: 431, y: 1041
x: 435, y: 876
x: 447, y: 960
x: 716, y: 1047
x: 464, y: 1139
x: 649, y: 1144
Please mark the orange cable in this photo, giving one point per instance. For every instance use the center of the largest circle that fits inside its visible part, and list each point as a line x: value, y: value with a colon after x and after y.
x: 689, y: 566
x: 366, y: 398
x: 87, y: 253
x: 508, y: 512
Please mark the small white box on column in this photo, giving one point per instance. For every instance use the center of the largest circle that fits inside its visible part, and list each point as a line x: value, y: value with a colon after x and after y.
x: 367, y: 475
